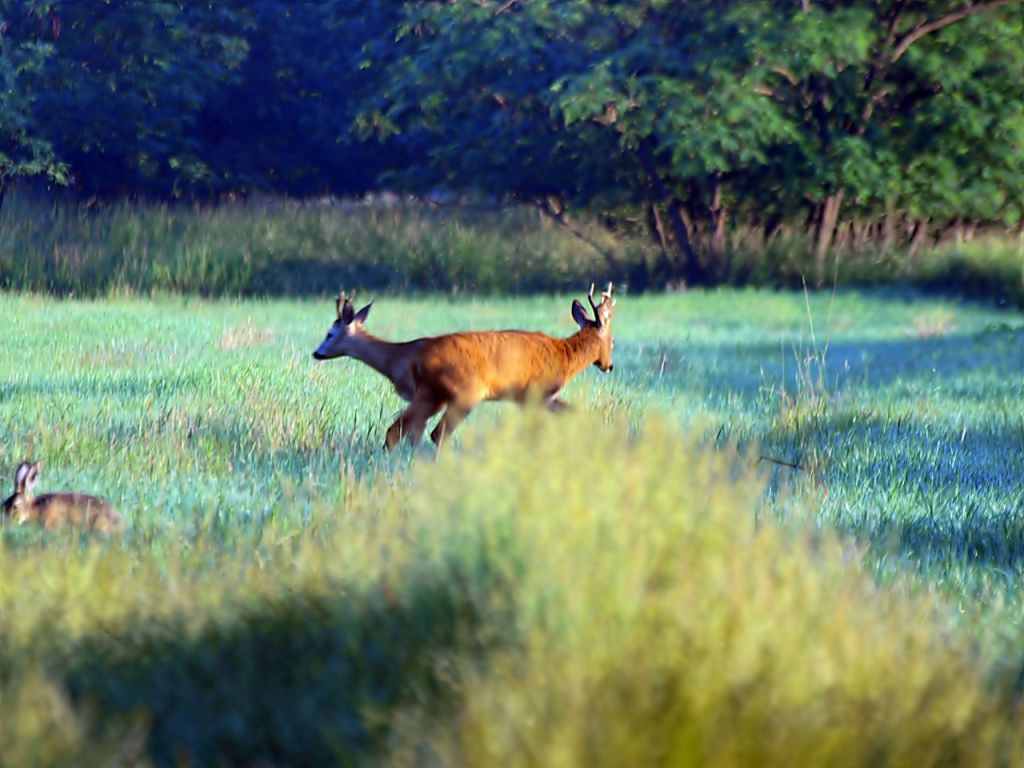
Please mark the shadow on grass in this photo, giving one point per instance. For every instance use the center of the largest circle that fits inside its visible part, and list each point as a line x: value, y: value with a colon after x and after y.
x: 925, y: 491
x: 309, y: 278
x: 310, y: 679
x: 952, y: 497
x: 985, y: 540
x: 913, y: 444
x: 746, y: 368
x: 313, y: 278
x: 129, y: 385
x: 997, y: 280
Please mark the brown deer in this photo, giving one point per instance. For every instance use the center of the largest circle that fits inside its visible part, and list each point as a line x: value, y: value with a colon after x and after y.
x: 54, y: 510
x: 458, y: 371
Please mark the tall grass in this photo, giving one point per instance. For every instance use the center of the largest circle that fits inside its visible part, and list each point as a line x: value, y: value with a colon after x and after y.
x: 280, y: 248
x: 989, y: 268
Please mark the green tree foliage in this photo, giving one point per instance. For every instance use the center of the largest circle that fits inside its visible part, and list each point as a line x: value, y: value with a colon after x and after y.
x: 885, y: 121
x: 23, y: 150
x: 900, y: 106
x: 175, y: 98
x: 125, y: 89
x: 701, y: 112
x: 286, y: 122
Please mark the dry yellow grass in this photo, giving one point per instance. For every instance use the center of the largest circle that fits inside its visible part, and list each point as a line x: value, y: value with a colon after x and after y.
x: 244, y: 336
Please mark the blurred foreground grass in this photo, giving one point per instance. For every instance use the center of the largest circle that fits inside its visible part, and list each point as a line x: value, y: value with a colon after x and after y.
x: 558, y: 592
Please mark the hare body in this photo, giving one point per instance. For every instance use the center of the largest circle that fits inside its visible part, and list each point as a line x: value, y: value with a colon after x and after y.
x: 56, y: 510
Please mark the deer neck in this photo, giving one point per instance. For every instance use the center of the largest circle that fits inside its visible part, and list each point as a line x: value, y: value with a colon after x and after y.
x: 386, y: 357
x: 581, y: 349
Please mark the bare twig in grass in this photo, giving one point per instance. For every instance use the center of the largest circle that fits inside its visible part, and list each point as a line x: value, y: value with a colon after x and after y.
x: 779, y: 462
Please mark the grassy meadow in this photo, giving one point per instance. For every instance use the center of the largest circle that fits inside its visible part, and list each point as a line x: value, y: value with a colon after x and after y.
x: 787, y: 529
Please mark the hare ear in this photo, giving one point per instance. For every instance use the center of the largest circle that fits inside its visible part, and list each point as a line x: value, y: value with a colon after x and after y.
x: 20, y: 476
x: 30, y: 477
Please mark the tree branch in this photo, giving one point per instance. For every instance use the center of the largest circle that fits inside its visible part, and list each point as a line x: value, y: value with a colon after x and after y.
x: 786, y: 74
x: 934, y: 25
x: 763, y: 90
x: 893, y: 17
x: 556, y: 212
x: 869, y: 109
x: 506, y: 7
x: 691, y: 264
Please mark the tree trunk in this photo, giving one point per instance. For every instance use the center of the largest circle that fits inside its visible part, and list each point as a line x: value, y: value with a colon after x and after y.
x: 826, y: 231
x: 843, y: 237
x: 657, y: 228
x: 862, y: 231
x: 889, y: 229
x: 692, y: 271
x: 920, y: 238
x: 718, y: 220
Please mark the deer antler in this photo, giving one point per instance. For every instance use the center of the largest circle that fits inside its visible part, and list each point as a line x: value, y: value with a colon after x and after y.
x: 593, y: 306
x: 606, y: 298
x: 608, y: 294
x: 342, y: 300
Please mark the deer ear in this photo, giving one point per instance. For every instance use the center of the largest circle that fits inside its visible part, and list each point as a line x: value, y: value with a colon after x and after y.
x: 363, y: 313
x: 579, y: 314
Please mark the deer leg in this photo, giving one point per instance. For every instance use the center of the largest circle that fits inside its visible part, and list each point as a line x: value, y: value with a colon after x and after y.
x: 453, y: 416
x: 556, y: 404
x: 413, y: 420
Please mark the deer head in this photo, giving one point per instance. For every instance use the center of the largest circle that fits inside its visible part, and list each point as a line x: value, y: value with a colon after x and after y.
x: 348, y: 326
x: 602, y: 323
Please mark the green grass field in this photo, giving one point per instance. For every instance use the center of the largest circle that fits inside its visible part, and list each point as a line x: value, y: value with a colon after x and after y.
x: 802, y: 517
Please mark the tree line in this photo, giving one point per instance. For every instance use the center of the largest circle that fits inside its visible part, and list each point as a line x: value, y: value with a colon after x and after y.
x: 869, y: 122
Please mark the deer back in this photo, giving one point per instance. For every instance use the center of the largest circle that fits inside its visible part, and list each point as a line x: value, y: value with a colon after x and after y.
x: 502, y: 364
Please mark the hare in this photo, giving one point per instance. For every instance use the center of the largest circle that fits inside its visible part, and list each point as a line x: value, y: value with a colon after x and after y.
x: 53, y: 510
